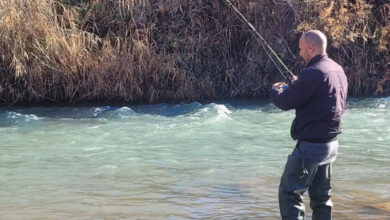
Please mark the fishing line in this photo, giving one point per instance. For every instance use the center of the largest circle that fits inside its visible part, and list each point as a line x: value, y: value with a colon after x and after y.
x: 267, y: 48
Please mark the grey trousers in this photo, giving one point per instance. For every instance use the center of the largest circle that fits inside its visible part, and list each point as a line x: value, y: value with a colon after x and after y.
x: 298, y: 177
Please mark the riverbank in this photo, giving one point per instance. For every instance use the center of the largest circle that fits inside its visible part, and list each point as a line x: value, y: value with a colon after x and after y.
x: 148, y: 51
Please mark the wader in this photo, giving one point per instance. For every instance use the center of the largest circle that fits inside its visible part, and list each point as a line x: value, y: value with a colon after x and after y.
x: 308, y: 168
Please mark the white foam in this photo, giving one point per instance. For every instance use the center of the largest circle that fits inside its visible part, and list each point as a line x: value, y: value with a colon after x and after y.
x: 94, y: 148
x: 218, y: 112
x: 27, y: 117
x: 223, y: 112
x: 125, y: 112
x: 99, y: 110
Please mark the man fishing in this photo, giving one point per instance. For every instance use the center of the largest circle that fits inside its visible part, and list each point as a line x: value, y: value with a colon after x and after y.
x: 318, y: 96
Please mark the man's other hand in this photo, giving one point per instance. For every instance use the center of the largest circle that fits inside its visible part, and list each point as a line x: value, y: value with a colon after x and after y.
x: 293, y: 78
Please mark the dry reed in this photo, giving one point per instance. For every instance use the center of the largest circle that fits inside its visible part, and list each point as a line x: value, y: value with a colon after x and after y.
x: 72, y: 51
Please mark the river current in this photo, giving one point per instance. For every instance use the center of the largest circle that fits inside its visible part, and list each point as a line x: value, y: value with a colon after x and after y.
x: 220, y: 160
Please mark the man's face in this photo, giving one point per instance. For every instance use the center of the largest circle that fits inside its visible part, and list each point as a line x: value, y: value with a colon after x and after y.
x: 304, y: 50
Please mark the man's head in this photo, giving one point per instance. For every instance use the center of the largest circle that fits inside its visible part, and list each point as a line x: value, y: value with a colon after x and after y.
x: 312, y: 43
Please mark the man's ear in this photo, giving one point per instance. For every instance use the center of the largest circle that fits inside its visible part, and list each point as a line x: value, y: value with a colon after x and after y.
x: 310, y: 48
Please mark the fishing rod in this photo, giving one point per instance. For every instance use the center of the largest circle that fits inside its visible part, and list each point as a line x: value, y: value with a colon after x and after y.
x: 267, y: 48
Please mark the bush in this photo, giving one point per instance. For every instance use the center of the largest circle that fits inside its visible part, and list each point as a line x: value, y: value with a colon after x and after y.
x: 72, y: 51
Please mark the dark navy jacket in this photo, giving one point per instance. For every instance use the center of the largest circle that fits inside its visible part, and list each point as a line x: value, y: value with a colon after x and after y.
x: 319, y: 99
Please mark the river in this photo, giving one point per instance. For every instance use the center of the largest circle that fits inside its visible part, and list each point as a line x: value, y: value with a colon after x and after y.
x: 220, y: 160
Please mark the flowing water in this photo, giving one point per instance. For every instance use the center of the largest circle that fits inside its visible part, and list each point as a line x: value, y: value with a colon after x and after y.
x: 218, y: 160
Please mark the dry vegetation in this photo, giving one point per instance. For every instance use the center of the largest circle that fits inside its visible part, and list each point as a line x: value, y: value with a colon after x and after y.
x: 68, y: 51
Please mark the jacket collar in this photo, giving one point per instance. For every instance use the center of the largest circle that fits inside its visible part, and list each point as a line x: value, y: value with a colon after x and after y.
x: 316, y: 58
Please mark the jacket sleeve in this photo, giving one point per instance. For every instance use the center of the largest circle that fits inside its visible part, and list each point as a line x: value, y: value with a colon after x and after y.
x: 299, y: 92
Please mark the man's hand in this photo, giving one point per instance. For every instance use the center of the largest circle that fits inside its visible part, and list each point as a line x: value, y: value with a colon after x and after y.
x: 279, y: 86
x: 293, y: 78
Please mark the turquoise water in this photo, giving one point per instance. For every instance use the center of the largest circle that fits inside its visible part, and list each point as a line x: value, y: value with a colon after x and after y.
x: 192, y: 161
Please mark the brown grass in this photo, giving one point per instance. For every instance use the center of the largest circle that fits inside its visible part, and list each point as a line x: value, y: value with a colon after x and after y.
x: 72, y: 51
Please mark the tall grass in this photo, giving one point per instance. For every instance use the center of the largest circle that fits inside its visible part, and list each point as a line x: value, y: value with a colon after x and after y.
x: 68, y: 51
